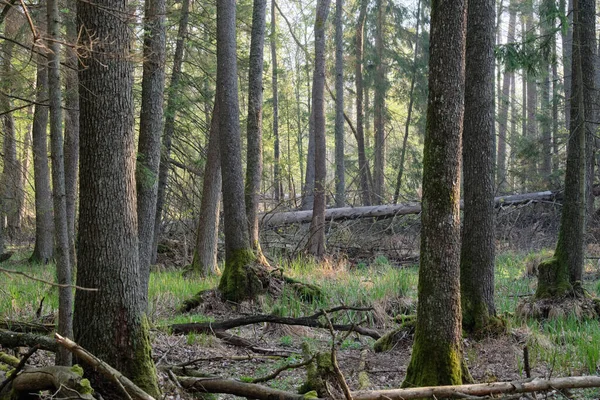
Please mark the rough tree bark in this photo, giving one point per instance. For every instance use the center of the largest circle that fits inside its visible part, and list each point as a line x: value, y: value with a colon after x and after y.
x: 117, y: 329
x: 532, y: 98
x: 171, y: 110
x: 204, y: 261
x: 547, y: 15
x: 363, y: 166
x: 254, y: 159
x: 379, y: 106
x: 340, y: 182
x: 44, y: 224
x: 566, y: 8
x: 61, y: 231
x: 477, y: 256
x: 437, y: 350
x: 276, y: 153
x: 151, y: 124
x: 316, y: 239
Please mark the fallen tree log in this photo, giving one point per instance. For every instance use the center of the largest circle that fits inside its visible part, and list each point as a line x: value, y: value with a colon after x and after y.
x: 237, y: 388
x: 311, y: 321
x: 389, y: 210
x: 481, y: 389
x: 11, y: 339
x: 22, y: 326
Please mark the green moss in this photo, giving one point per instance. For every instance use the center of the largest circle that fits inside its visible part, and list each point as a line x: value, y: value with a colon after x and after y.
x: 388, y: 341
x: 553, y: 279
x: 363, y: 380
x: 143, y: 371
x: 440, y: 364
x: 77, y: 369
x: 85, y: 387
x: 240, y: 278
x: 8, y: 359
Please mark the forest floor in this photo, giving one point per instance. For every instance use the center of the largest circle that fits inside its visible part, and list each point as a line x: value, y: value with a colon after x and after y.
x: 560, y: 347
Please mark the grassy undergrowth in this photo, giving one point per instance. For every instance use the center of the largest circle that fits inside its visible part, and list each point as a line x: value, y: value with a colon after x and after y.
x: 563, y: 346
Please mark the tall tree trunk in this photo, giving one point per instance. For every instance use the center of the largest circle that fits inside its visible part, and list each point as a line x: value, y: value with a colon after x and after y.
x: 151, y: 124
x: 503, y: 106
x: 532, y: 98
x: 547, y: 15
x: 437, y: 350
x: 276, y: 153
x: 237, y: 281
x: 205, y: 252
x: 61, y: 232
x: 316, y: 239
x: 478, y: 248
x: 254, y: 160
x: 340, y: 170
x: 117, y: 329
x: 566, y: 8
x: 363, y: 165
x: 379, y: 104
x: 555, y: 118
x: 44, y: 224
x: 71, y: 128
x: 407, y: 123
x: 308, y: 195
x: 170, y: 112
x: 562, y: 274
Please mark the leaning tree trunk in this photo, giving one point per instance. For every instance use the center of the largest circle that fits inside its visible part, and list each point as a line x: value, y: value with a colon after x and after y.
x: 44, y: 224
x: 363, y: 165
x: 237, y: 281
x: 254, y: 160
x: 437, y: 350
x: 316, y: 239
x: 111, y: 323
x: 562, y: 273
x: 151, y: 124
x: 171, y: 110
x: 340, y: 182
x: 477, y: 254
x: 61, y: 231
x: 379, y: 104
x: 204, y: 261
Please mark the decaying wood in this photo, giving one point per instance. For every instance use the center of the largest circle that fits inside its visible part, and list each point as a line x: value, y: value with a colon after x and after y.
x: 311, y: 321
x: 390, y: 210
x: 9, y: 360
x: 481, y: 389
x: 237, y: 388
x: 16, y: 339
x: 21, y: 326
x: 62, y: 381
x: 130, y: 389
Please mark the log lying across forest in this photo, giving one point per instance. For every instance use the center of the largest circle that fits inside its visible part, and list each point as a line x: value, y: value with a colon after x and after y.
x: 390, y: 210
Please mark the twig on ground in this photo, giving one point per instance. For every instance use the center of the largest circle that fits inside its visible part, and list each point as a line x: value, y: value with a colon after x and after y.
x: 275, y: 373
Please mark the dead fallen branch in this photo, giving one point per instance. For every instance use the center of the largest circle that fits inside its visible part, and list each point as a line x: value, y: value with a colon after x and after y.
x: 21, y: 326
x: 130, y: 389
x: 16, y: 339
x: 311, y: 321
x: 279, y: 370
x: 10, y: 272
x: 248, y: 345
x: 388, y: 210
x: 481, y: 389
x: 237, y: 388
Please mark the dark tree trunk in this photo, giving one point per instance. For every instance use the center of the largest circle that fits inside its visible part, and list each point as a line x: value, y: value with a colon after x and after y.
x: 340, y: 182
x: 410, y: 106
x: 547, y: 15
x: 563, y: 273
x: 437, y: 350
x: 237, y: 281
x: 61, y: 231
x: 171, y: 110
x: 254, y: 159
x: 532, y: 100
x: 363, y: 165
x: 110, y: 323
x: 566, y: 8
x: 316, y: 240
x: 379, y: 104
x: 44, y: 224
x: 205, y: 252
x: 71, y: 129
x: 151, y: 124
x: 276, y: 155
x: 308, y: 195
x: 503, y: 106
x: 478, y: 247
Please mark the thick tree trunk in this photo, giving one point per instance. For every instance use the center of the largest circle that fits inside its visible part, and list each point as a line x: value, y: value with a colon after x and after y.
x: 340, y: 170
x: 237, y: 281
x: 532, y: 100
x: 566, y: 7
x: 316, y: 240
x: 205, y: 252
x: 274, y: 86
x: 379, y: 104
x: 363, y: 165
x: 71, y: 128
x: 308, y: 195
x: 503, y: 106
x: 477, y: 256
x: 437, y: 350
x: 410, y: 106
x: 547, y: 11
x: 254, y: 159
x: 61, y: 232
x: 44, y: 224
x: 117, y: 329
x: 170, y: 112
x: 151, y: 124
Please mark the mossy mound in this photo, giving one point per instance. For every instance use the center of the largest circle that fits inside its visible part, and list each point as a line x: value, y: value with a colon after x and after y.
x: 398, y: 336
x: 580, y: 307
